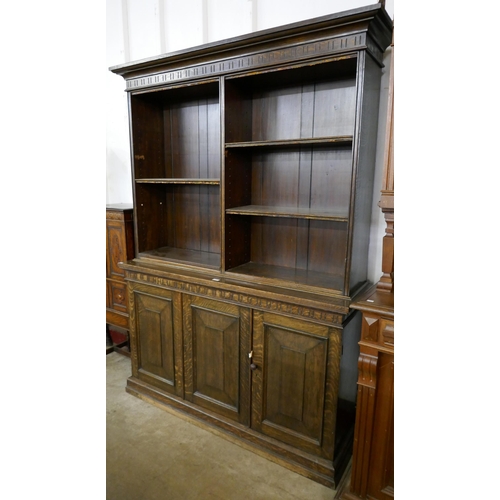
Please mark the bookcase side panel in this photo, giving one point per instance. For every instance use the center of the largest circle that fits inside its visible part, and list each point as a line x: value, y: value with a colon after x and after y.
x: 364, y: 162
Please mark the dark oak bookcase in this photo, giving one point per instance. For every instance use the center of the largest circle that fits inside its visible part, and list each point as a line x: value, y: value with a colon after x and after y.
x: 252, y: 163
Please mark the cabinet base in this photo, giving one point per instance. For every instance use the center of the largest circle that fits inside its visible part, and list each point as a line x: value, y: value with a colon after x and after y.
x: 322, y: 471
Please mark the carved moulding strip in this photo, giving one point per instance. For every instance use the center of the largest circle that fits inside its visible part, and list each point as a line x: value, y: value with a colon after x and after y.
x: 292, y: 53
x: 134, y: 348
x: 239, y: 298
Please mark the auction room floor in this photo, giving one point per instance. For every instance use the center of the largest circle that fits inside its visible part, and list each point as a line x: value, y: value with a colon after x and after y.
x: 155, y: 454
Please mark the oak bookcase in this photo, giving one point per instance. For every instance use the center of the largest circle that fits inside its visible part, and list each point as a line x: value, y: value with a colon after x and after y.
x: 252, y: 167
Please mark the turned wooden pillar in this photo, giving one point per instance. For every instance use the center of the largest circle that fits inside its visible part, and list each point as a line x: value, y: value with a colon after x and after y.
x: 386, y: 203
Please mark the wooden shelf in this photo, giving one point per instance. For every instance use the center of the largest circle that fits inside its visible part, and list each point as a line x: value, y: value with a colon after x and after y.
x: 206, y: 182
x: 184, y: 256
x: 276, y: 274
x: 320, y: 141
x: 291, y: 212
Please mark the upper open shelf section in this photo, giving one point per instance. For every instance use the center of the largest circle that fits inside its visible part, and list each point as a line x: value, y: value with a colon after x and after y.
x: 177, y: 163
x: 253, y: 157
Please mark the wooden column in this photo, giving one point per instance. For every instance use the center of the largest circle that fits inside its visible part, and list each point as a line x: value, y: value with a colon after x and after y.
x: 386, y: 203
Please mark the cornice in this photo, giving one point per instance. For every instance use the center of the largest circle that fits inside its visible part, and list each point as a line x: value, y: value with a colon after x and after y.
x: 366, y: 28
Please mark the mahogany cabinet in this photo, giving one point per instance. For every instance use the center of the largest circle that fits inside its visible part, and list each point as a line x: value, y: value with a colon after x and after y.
x: 119, y: 248
x: 372, y: 472
x: 252, y: 168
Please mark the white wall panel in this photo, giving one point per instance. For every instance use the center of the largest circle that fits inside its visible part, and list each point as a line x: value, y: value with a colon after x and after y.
x: 228, y: 18
x: 115, y: 50
x: 184, y: 23
x: 118, y: 177
x: 271, y: 13
x: 143, y: 28
x: 118, y: 173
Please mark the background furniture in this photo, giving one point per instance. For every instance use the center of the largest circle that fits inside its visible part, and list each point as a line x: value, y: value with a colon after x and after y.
x: 372, y: 473
x: 119, y: 248
x: 253, y: 164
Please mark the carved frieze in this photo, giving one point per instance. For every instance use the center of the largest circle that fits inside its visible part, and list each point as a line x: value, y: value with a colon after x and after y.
x: 252, y: 301
x: 292, y: 53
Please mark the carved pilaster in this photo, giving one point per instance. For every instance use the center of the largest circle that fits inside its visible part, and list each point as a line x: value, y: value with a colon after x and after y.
x: 367, y: 383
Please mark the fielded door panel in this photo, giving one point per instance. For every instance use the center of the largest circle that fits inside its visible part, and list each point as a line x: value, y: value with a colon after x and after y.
x: 295, y: 383
x: 158, y: 337
x: 217, y: 366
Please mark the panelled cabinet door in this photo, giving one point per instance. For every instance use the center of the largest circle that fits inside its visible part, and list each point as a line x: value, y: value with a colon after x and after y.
x: 294, y: 385
x: 156, y: 334
x: 217, y: 366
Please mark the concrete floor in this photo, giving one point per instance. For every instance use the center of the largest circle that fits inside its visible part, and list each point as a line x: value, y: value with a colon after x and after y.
x: 153, y: 454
